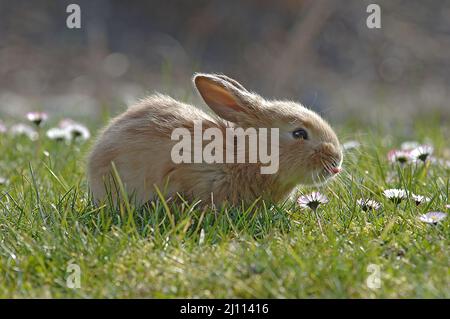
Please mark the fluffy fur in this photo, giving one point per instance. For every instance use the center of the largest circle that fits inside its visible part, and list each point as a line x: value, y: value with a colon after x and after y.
x: 139, y: 144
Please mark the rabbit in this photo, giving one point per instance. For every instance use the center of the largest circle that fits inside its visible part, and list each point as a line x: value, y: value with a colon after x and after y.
x: 139, y: 144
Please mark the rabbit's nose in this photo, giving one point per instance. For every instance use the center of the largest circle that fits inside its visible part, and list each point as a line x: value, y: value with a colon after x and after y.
x: 335, y: 170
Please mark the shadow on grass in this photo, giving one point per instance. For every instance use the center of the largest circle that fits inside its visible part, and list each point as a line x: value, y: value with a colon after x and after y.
x: 162, y: 220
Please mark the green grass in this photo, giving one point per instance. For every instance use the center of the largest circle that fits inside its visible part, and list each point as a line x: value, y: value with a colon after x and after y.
x: 48, y: 222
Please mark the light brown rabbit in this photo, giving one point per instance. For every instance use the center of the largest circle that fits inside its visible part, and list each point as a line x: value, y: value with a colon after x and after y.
x: 139, y: 144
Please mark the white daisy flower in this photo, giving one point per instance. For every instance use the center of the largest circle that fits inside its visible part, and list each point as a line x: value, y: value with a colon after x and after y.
x: 447, y: 206
x: 77, y: 130
x: 58, y: 134
x: 23, y: 129
x: 3, y: 180
x: 399, y: 156
x: 368, y: 204
x: 432, y: 217
x: 312, y: 200
x: 422, y: 153
x: 395, y: 195
x: 419, y: 199
x: 37, y: 117
x: 69, y: 130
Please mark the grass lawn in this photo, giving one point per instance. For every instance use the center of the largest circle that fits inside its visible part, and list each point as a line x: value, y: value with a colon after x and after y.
x: 49, y: 230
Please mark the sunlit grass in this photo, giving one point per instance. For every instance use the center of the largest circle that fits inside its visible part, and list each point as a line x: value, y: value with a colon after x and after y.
x: 47, y: 221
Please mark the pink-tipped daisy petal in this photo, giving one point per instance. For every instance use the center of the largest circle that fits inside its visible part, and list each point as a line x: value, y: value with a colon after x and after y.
x: 399, y: 156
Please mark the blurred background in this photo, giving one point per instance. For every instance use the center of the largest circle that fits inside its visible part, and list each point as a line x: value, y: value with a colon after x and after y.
x: 318, y: 52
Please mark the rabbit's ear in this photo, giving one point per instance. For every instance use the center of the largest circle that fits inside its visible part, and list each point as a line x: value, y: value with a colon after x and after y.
x: 225, y: 96
x: 232, y: 82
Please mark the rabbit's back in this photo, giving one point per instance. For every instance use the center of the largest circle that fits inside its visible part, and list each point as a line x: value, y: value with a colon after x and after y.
x: 139, y: 144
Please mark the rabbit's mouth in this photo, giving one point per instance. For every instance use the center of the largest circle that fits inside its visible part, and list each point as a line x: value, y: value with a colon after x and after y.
x: 323, y: 175
x: 325, y: 166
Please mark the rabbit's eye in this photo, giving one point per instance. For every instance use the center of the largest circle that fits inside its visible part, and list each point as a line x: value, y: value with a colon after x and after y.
x: 300, y: 133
